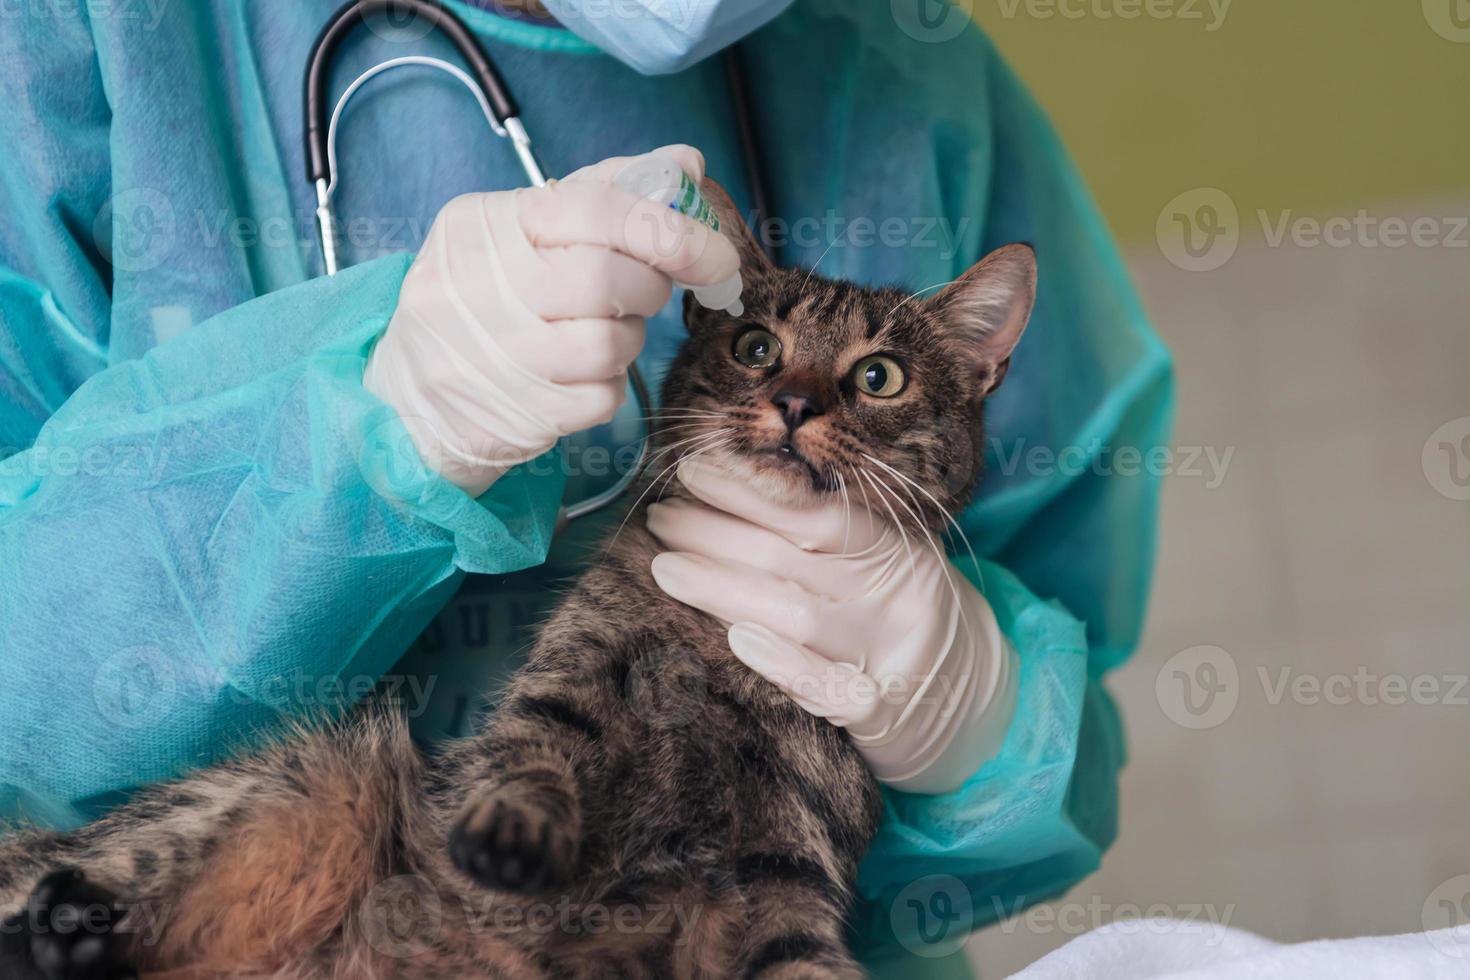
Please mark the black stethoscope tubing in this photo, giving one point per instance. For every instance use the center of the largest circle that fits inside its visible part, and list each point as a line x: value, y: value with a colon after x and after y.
x: 324, y: 50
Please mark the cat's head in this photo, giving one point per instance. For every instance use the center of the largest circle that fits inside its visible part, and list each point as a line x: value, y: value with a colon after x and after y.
x: 823, y: 384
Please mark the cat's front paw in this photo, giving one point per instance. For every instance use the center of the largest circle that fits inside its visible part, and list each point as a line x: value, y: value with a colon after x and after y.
x: 519, y: 837
x: 67, y: 931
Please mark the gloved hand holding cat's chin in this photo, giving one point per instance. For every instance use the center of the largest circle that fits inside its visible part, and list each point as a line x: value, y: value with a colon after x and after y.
x: 860, y: 623
x: 517, y: 322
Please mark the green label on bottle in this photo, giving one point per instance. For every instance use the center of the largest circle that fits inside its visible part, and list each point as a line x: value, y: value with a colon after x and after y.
x: 691, y: 203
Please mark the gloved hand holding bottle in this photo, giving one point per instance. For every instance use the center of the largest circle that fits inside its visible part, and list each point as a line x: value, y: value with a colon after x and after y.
x: 518, y: 320
x: 863, y: 625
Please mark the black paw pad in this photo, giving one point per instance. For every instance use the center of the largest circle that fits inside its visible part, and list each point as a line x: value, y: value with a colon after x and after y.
x: 67, y: 931
x: 508, y: 845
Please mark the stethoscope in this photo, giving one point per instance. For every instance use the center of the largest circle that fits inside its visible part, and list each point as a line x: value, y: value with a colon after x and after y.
x: 503, y: 115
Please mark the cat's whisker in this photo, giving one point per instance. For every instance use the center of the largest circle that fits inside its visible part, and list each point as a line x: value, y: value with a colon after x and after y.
x: 897, y: 524
x: 664, y: 425
x: 889, y: 492
x: 682, y: 442
x: 654, y: 482
x: 668, y: 425
x: 683, y: 410
x: 902, y: 529
x: 846, y: 509
x: 708, y: 423
x: 863, y: 480
x: 818, y: 264
x: 685, y: 425
x: 915, y: 295
x: 685, y: 444
x: 947, y: 516
x: 918, y: 505
x: 683, y: 413
x: 916, y: 512
x: 929, y: 538
x: 671, y: 448
x: 694, y: 454
x: 867, y: 504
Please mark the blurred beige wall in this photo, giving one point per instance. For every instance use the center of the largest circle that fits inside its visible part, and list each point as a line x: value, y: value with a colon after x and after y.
x: 1317, y: 106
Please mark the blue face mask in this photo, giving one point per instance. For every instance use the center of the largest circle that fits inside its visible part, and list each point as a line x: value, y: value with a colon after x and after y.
x: 658, y: 37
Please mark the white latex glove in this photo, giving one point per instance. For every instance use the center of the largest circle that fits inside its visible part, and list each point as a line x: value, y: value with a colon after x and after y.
x: 873, y: 631
x: 518, y: 320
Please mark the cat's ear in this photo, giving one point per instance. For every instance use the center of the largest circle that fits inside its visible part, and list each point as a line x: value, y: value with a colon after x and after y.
x: 753, y: 258
x: 985, y: 311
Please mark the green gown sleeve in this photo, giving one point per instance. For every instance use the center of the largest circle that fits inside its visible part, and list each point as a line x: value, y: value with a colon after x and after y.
x: 227, y: 528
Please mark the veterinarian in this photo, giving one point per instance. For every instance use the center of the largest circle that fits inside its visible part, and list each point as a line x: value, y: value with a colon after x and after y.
x: 208, y: 519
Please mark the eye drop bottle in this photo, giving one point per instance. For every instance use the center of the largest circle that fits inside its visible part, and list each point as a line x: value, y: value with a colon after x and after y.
x: 661, y: 180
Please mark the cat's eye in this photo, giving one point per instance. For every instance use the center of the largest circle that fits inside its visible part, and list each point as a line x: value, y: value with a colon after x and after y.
x: 878, y: 376
x: 757, y: 348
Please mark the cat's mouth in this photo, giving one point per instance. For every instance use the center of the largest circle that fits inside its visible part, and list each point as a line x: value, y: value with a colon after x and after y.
x: 790, y: 459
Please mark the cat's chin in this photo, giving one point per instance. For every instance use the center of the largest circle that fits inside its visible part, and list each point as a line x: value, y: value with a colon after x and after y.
x: 772, y: 477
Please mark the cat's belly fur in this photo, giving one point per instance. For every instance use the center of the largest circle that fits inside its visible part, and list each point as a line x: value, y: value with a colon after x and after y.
x: 709, y: 744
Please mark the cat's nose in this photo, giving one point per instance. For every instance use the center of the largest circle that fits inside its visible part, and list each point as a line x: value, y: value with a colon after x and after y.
x: 796, y: 406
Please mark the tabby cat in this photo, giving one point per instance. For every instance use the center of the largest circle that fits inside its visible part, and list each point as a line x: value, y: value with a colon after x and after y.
x: 641, y: 804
